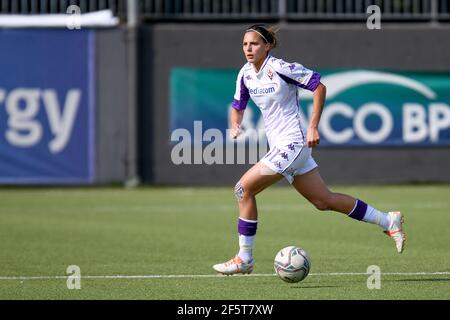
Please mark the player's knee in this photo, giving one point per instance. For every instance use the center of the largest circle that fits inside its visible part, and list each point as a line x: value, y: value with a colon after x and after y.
x: 324, y: 202
x: 239, y: 191
x: 321, y: 204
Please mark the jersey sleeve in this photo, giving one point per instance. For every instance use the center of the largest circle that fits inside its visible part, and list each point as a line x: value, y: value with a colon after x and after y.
x: 297, y: 74
x: 241, y: 96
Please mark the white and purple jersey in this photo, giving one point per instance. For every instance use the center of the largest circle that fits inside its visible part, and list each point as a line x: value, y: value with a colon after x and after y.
x: 274, y: 91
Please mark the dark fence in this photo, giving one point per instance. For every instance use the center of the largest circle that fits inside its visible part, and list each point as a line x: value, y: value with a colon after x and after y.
x: 60, y: 6
x: 230, y: 10
x: 334, y: 10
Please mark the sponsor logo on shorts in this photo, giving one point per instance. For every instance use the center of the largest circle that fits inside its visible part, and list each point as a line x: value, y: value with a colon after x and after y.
x: 277, y: 164
x: 290, y: 171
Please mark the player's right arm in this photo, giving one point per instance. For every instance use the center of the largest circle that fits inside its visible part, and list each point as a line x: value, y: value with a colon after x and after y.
x: 235, y: 122
x: 241, y: 97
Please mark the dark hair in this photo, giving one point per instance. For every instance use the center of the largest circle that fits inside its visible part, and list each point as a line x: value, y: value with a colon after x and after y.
x: 267, y: 34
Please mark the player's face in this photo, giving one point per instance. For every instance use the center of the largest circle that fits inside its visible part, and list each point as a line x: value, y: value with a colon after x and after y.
x: 255, y: 49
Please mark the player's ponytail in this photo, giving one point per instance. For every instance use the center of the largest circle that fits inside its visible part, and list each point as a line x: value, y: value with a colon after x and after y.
x: 267, y: 34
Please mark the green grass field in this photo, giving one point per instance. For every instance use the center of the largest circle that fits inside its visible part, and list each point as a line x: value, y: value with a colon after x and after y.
x: 183, y: 231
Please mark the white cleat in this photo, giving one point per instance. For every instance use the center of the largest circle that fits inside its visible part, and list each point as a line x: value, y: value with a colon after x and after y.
x: 395, y: 230
x: 234, y: 266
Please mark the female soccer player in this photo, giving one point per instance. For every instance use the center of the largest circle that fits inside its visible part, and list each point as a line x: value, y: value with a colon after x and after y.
x: 272, y: 84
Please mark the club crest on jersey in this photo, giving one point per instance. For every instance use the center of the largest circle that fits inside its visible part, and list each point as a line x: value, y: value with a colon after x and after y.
x: 249, y: 77
x: 292, y: 67
x: 270, y: 74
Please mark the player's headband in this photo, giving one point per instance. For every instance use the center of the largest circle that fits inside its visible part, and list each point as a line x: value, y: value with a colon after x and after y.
x: 253, y: 30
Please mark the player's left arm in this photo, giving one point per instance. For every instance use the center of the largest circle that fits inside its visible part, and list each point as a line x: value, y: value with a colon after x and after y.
x: 313, y: 136
x: 307, y: 79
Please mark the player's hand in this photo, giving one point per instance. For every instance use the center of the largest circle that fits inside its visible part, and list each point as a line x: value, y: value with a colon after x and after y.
x: 312, y: 137
x: 235, y: 131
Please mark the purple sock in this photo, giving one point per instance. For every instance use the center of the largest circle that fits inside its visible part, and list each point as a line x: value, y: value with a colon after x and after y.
x: 359, y: 211
x: 247, y: 234
x: 247, y: 228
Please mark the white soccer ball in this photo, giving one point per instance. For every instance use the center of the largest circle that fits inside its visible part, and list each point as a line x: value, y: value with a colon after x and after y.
x: 292, y: 264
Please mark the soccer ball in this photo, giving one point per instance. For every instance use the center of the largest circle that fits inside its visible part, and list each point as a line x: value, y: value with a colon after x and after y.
x: 292, y: 264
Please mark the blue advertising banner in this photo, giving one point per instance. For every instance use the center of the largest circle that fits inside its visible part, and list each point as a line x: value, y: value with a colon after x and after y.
x: 46, y: 106
x: 363, y: 107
